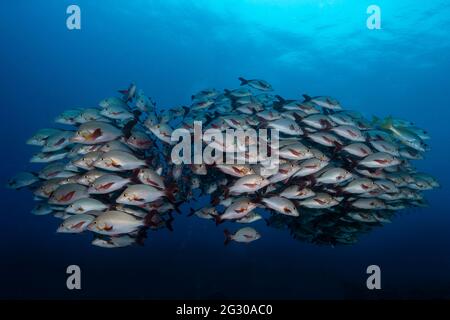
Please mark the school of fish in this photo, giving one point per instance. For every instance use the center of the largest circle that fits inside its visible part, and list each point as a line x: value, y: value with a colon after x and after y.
x: 108, y: 169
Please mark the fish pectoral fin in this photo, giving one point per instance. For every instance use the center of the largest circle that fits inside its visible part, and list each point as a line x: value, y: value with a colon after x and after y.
x: 250, y: 185
x: 77, y: 225
x: 116, y: 164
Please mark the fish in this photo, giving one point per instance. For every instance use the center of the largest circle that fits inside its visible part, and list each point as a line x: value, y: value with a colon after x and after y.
x: 87, y: 161
x: 237, y: 210
x: 88, y: 177
x: 360, y: 150
x: 334, y: 176
x: 116, y: 112
x: 205, y: 213
x: 162, y: 131
x: 115, y: 241
x: 47, y: 157
x: 404, y: 135
x: 286, y: 126
x: 42, y: 209
x: 107, y: 183
x: 379, y: 160
x: 360, y: 185
x: 68, y: 193
x: 349, y: 132
x: 318, y: 121
x: 22, y: 180
x: 139, y: 194
x: 85, y: 205
x: 88, y: 115
x: 369, y: 204
x: 115, y: 222
x: 310, y: 166
x: 256, y: 84
x: 320, y: 200
x: 281, y: 205
x: 75, y: 224
x: 236, y: 170
x: 112, y: 101
x: 94, y: 132
x: 326, y: 139
x: 150, y: 177
x: 244, y: 235
x: 295, y: 151
x: 116, y: 160
x: 41, y: 136
x: 69, y: 117
x: 248, y: 184
x: 324, y: 102
x: 296, y: 192
x: 57, y: 141
x: 250, y: 218
x: 129, y: 94
x: 139, y: 140
x: 144, y: 103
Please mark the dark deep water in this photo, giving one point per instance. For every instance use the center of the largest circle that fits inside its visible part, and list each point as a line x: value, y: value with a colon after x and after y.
x: 173, y: 48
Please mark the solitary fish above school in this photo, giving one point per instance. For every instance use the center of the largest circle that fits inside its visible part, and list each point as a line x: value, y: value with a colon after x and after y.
x: 334, y: 175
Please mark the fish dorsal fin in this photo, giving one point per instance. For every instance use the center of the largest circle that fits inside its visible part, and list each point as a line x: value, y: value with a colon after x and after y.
x: 306, y: 97
x: 387, y: 123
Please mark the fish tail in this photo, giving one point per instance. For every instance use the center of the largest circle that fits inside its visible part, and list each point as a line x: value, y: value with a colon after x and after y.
x: 259, y: 197
x: 338, y: 146
x: 387, y: 123
x: 218, y: 220
x: 168, y: 223
x: 227, y: 236
x: 243, y: 81
x: 226, y: 192
x: 215, y: 201
x: 306, y: 97
x: 312, y: 180
x: 186, y: 111
x: 192, y: 211
x: 170, y: 193
x: 375, y: 120
x: 148, y: 162
x: 177, y: 207
x: 280, y: 98
x: 148, y: 218
x: 298, y: 117
x: 339, y: 191
x: 141, y: 236
x: 134, y: 176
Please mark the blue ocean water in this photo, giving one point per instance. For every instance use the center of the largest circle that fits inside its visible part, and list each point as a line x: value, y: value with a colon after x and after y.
x: 173, y: 48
